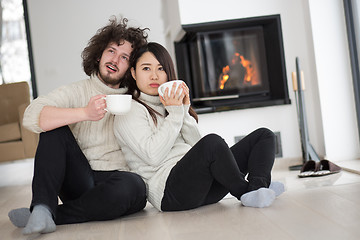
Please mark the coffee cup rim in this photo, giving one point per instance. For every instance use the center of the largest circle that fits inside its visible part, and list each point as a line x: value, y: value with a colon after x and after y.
x: 179, y: 81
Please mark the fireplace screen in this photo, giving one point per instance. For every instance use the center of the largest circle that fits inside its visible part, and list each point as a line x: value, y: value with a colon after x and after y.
x: 234, y: 63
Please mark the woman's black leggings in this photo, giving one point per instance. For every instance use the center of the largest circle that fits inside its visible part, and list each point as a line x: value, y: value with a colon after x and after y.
x: 211, y: 169
x: 61, y: 169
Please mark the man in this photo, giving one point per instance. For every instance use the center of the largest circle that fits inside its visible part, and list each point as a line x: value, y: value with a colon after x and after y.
x: 78, y: 158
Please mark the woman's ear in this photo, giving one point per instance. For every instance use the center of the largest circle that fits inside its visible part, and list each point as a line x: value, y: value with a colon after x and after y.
x: 133, y: 73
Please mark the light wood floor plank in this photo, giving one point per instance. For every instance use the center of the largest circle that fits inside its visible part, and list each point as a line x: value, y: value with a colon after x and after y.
x: 313, y: 208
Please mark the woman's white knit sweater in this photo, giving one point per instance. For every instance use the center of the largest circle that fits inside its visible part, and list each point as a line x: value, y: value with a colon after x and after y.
x: 153, y: 150
x: 95, y: 138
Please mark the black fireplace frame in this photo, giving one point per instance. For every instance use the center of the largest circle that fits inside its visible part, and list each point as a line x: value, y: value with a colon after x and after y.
x: 274, y: 51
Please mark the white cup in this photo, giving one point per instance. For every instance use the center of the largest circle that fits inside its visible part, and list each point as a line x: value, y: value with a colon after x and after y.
x: 118, y: 104
x: 169, y: 85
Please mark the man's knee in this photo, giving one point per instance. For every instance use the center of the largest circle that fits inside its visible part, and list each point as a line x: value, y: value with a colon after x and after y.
x: 129, y: 185
x: 130, y: 193
x: 56, y: 134
x: 136, y: 183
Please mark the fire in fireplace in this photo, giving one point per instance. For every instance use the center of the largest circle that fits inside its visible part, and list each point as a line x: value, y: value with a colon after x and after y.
x: 242, y: 69
x: 233, y: 64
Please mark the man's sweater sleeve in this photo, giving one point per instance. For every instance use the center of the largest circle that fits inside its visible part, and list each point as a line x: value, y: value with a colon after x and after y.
x: 64, y: 97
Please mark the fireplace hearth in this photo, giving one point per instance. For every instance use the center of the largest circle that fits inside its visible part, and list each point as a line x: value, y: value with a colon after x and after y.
x: 233, y: 64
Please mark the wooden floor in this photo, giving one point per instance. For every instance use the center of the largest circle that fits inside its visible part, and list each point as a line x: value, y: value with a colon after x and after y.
x: 325, y: 207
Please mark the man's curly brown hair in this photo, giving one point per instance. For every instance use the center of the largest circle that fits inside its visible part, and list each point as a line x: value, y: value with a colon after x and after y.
x: 116, y: 32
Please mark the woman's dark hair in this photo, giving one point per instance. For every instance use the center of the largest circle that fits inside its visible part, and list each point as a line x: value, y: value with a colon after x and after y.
x: 164, y: 58
x: 116, y: 32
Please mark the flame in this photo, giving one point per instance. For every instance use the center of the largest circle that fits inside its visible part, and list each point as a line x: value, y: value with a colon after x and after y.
x: 224, y: 77
x: 249, y: 70
x: 238, y: 59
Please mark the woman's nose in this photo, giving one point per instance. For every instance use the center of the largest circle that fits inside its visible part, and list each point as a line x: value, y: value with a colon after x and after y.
x: 154, y: 75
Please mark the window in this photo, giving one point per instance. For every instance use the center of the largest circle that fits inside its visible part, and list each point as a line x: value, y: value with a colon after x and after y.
x: 15, y: 61
x: 352, y: 16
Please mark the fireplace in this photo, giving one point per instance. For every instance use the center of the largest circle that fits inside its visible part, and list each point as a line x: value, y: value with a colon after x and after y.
x: 233, y: 64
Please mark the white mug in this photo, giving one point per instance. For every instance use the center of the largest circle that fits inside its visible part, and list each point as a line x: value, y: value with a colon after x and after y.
x: 169, y: 85
x: 118, y: 104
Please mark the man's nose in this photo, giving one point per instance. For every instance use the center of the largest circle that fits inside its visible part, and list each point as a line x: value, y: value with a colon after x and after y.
x: 115, y: 59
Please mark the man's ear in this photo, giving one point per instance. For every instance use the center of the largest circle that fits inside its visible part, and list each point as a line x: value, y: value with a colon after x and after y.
x: 132, y: 70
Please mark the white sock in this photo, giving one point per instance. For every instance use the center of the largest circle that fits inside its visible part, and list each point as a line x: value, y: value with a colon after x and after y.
x: 19, y: 217
x: 278, y: 187
x: 40, y: 221
x: 263, y: 197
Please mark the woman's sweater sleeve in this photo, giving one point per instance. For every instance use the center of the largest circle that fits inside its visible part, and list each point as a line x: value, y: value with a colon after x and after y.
x: 190, y: 130
x: 136, y: 132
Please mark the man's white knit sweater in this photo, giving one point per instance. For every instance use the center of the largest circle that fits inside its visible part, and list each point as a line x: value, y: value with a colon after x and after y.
x: 95, y: 138
x: 153, y: 150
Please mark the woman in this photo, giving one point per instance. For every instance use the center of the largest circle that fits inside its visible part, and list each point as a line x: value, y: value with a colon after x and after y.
x: 161, y: 143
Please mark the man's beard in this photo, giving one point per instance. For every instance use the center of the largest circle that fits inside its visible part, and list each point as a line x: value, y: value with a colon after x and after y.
x: 107, y: 79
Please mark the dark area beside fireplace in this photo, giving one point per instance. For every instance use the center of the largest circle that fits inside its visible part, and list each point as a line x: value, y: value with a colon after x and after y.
x: 233, y: 64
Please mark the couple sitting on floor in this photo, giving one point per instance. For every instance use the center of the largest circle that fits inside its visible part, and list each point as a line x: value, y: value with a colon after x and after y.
x: 82, y: 149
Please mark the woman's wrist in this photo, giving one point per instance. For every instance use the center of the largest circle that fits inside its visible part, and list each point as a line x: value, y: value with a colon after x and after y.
x: 175, y: 110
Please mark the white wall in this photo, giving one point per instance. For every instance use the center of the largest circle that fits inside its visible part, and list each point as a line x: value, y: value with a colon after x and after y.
x: 277, y: 118
x: 304, y: 29
x: 60, y: 31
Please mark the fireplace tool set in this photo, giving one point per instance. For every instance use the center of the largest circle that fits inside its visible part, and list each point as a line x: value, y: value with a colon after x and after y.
x: 312, y: 165
x: 308, y: 151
